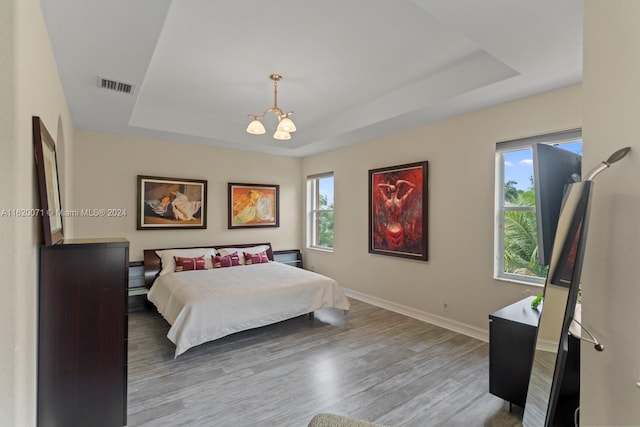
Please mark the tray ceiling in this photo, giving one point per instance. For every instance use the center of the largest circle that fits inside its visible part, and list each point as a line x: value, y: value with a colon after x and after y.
x: 352, y: 70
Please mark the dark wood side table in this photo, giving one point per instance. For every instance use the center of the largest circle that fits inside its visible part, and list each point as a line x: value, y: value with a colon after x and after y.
x: 136, y: 289
x: 512, y: 335
x: 290, y: 256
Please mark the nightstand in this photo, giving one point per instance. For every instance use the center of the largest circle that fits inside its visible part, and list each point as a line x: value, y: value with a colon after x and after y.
x: 292, y: 257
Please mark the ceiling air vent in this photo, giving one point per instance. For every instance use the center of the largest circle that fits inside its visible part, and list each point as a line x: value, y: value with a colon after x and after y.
x: 114, y: 85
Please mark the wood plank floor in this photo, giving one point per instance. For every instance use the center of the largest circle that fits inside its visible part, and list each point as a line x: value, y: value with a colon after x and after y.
x: 370, y: 363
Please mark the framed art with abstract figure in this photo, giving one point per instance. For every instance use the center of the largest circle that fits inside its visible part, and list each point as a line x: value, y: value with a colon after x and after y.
x: 171, y: 203
x: 398, y: 211
x: 46, y: 165
x: 253, y: 205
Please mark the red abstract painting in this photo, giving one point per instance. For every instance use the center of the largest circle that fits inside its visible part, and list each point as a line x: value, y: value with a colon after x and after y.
x: 398, y: 210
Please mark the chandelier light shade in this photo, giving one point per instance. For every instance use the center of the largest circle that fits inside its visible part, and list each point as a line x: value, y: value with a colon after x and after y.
x: 256, y: 127
x: 281, y: 135
x: 285, y: 124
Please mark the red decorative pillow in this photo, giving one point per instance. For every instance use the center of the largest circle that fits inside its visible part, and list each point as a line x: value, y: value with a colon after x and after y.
x: 186, y: 264
x: 226, y: 260
x: 255, y: 258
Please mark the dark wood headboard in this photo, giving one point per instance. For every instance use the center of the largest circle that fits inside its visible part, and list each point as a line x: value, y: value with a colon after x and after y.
x: 152, y: 260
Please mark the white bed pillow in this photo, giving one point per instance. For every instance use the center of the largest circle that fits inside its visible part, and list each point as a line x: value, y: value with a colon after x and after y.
x: 169, y: 264
x: 250, y: 250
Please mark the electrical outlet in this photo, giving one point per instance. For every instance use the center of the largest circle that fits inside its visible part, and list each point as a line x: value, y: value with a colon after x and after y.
x: 312, y: 268
x: 445, y: 306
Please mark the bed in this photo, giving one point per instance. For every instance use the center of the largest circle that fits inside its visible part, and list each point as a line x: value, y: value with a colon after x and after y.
x: 219, y: 299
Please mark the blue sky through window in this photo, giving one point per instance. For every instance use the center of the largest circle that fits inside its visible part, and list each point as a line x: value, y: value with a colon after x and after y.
x: 518, y: 165
x: 325, y: 186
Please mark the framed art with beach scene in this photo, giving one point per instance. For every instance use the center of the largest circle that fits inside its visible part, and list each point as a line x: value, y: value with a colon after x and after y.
x: 398, y: 211
x: 171, y: 203
x: 253, y: 205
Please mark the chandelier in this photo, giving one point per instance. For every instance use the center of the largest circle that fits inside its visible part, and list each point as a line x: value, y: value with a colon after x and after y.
x: 285, y: 124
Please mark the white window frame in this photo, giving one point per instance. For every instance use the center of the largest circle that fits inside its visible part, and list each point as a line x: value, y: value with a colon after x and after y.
x: 554, y: 138
x: 313, y: 210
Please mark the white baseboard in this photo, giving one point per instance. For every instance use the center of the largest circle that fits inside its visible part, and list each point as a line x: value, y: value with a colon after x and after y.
x: 443, y: 322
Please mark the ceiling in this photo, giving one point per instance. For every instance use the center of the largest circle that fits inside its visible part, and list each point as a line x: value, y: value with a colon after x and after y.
x: 352, y: 70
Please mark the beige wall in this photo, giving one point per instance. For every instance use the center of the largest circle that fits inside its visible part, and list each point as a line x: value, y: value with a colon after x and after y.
x: 461, y: 176
x: 30, y: 86
x: 107, y: 166
x: 461, y: 155
x: 611, y: 289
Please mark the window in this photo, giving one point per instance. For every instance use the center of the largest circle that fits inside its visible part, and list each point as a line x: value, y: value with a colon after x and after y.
x: 320, y: 207
x: 516, y: 248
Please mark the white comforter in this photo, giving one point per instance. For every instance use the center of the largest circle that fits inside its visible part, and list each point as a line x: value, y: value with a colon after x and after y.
x: 205, y: 305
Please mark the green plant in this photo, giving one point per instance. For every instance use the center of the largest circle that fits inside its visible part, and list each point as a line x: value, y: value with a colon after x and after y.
x: 536, y: 301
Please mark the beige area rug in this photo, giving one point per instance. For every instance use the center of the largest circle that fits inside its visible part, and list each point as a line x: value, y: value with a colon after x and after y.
x: 333, y: 420
x: 504, y: 419
x: 499, y: 419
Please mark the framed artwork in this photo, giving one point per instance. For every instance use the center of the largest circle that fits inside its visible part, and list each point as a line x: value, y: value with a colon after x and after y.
x: 171, y: 203
x: 253, y: 205
x: 46, y: 164
x: 398, y: 211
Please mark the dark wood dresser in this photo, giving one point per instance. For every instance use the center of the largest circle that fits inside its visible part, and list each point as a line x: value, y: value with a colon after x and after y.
x: 82, y: 333
x: 512, y: 340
